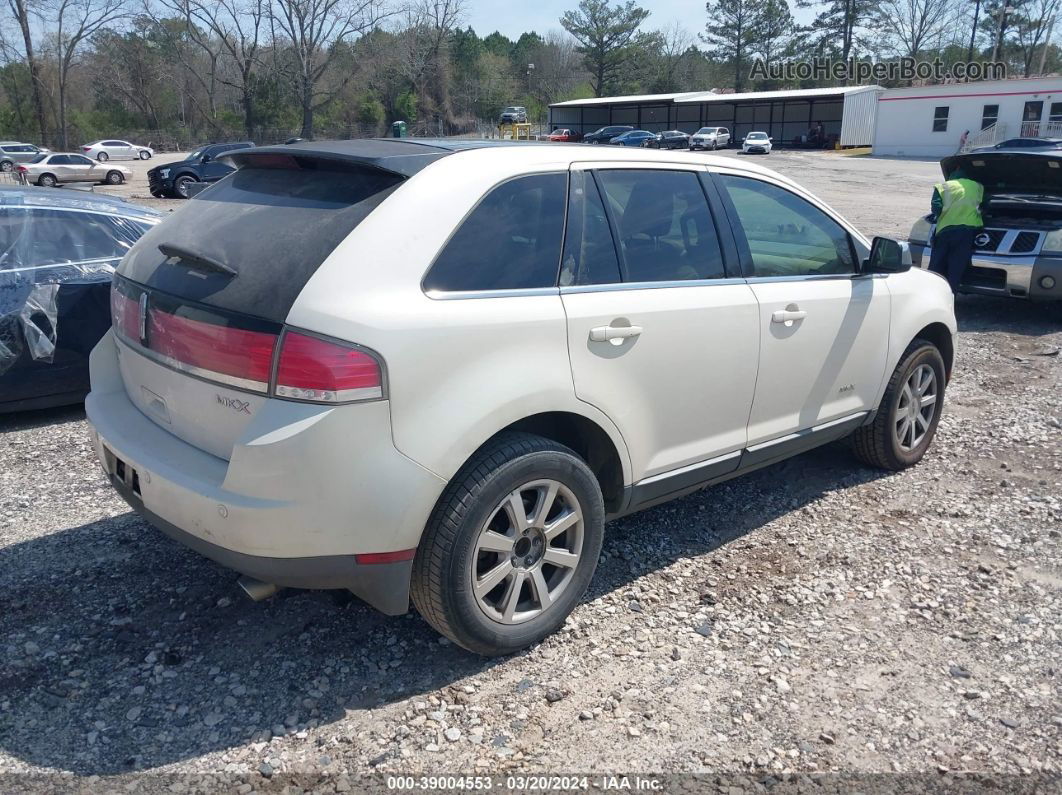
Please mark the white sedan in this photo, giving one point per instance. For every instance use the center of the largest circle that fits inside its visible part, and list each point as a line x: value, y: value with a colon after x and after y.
x: 114, y: 149
x: 758, y: 142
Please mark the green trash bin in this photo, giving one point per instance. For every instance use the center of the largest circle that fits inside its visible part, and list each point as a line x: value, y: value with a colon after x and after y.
x: 398, y: 129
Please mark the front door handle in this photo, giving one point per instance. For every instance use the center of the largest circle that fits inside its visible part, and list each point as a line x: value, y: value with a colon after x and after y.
x: 608, y: 333
x: 788, y: 315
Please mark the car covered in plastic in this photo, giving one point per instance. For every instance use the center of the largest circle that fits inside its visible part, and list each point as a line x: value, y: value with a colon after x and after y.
x: 58, y: 251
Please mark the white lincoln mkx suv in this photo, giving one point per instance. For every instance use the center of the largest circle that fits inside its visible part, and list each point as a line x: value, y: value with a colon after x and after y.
x: 434, y: 369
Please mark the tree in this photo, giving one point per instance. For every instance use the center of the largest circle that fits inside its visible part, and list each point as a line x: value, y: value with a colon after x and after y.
x: 21, y: 11
x: 76, y: 21
x: 772, y: 30
x: 838, y: 21
x: 1032, y: 30
x: 315, y: 31
x: 729, y: 33
x: 607, y: 38
x: 675, y: 41
x: 913, y: 24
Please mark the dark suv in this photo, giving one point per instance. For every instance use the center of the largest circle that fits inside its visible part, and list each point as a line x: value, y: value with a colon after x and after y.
x: 175, y: 179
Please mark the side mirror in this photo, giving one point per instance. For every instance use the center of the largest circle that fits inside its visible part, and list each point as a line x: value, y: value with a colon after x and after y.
x: 205, y: 159
x: 888, y: 256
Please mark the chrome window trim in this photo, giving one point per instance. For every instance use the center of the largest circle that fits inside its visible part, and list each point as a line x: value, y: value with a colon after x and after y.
x: 624, y: 286
x: 806, y: 277
x: 516, y: 292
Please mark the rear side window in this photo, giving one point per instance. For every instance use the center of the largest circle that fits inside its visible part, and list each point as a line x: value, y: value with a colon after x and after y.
x: 786, y: 235
x: 52, y: 237
x: 663, y: 224
x: 510, y: 241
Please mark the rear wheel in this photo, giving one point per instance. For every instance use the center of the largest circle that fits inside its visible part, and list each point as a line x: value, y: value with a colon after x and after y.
x: 46, y: 181
x: 7, y: 166
x: 103, y: 157
x: 114, y: 178
x: 910, y: 410
x: 511, y: 547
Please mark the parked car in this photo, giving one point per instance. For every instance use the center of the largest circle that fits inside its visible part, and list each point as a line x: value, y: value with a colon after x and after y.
x: 58, y: 250
x: 564, y: 134
x: 49, y: 170
x: 112, y: 149
x: 14, y: 152
x: 631, y: 138
x: 203, y: 165
x: 670, y: 139
x: 275, y: 399
x: 1023, y: 143
x: 1019, y: 252
x: 756, y: 143
x: 606, y: 134
x: 513, y: 115
x: 710, y: 138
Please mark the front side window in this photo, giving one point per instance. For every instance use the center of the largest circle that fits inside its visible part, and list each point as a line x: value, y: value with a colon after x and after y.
x: 940, y: 119
x: 663, y: 225
x: 510, y: 241
x: 786, y: 235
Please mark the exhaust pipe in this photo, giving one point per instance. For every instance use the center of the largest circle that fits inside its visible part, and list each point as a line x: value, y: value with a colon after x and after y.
x: 256, y: 589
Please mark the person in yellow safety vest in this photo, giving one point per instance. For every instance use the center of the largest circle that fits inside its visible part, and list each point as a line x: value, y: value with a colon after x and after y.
x: 956, y: 208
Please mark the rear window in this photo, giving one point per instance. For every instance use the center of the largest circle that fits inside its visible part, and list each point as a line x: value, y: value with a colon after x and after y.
x: 273, y: 226
x: 511, y: 240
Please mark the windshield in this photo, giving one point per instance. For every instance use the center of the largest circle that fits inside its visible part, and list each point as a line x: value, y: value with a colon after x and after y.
x: 757, y: 136
x: 706, y: 130
x: 196, y: 153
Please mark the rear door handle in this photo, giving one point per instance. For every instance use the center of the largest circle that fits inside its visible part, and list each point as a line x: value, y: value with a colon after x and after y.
x: 604, y: 333
x: 788, y: 315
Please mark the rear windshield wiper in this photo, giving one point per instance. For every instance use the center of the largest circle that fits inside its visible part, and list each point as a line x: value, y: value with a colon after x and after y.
x: 197, y: 261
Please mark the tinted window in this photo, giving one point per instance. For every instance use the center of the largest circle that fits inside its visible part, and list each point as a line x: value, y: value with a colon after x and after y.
x: 664, y: 227
x: 115, y: 143
x: 60, y: 160
x: 787, y: 236
x: 940, y: 119
x: 511, y: 240
x: 589, y: 251
x: 78, y: 160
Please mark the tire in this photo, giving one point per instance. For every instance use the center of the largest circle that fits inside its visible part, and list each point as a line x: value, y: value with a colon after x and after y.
x: 7, y: 166
x: 180, y: 186
x: 103, y: 157
x: 114, y: 178
x: 473, y: 509
x: 158, y: 194
x: 715, y: 145
x: 145, y: 155
x: 46, y: 181
x: 879, y: 444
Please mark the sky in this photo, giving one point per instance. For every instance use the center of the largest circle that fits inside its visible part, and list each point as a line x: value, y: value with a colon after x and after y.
x: 513, y: 17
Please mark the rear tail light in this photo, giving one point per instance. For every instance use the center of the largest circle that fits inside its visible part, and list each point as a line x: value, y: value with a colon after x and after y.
x: 314, y: 369
x: 86, y: 148
x: 23, y: 169
x: 242, y: 352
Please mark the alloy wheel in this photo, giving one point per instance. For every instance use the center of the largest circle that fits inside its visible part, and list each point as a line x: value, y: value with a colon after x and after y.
x: 527, y: 551
x: 915, y: 408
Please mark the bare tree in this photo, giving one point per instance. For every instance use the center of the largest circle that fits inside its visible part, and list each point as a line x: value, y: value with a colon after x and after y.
x: 674, y: 41
x: 913, y: 24
x: 22, y: 9
x: 1033, y: 29
x: 315, y: 31
x: 230, y: 28
x: 75, y: 21
x: 428, y: 26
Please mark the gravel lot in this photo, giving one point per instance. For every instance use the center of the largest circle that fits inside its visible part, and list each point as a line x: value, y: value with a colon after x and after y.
x: 813, y: 617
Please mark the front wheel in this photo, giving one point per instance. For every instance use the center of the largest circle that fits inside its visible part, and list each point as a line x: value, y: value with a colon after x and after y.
x: 182, y: 185
x: 114, y: 178
x: 511, y: 546
x: 144, y: 155
x: 103, y: 157
x: 910, y: 410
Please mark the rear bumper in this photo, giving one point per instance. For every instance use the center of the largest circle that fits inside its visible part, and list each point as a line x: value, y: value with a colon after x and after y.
x: 1013, y: 276
x: 385, y: 586
x: 305, y: 489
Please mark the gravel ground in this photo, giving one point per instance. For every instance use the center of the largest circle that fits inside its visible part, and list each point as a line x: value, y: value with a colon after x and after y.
x: 810, y: 618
